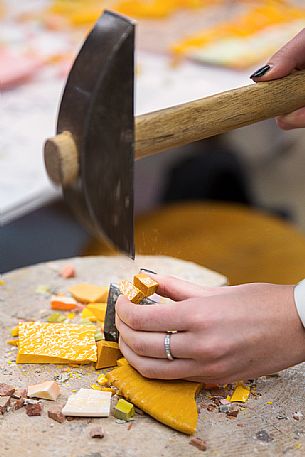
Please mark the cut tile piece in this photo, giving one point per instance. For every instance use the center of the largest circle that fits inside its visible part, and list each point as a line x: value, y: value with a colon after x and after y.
x: 4, y: 404
x: 146, y: 284
x: 240, y: 394
x: 56, y: 414
x: 131, y: 292
x: 15, y: 331
x: 170, y: 402
x: 102, y: 380
x: 87, y: 314
x: 108, y: 352
x: 6, y: 390
x: 68, y: 271
x: 124, y: 410
x: 33, y: 409
x: 121, y: 362
x: 88, y: 403
x: 48, y: 390
x: 42, y: 342
x: 61, y: 303
x: 89, y: 293
x: 99, y: 310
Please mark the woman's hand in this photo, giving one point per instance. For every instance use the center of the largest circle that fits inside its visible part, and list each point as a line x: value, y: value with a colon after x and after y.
x: 224, y: 334
x: 289, y: 58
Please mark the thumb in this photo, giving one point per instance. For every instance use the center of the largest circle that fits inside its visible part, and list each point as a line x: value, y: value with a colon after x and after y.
x: 289, y: 58
x: 178, y: 290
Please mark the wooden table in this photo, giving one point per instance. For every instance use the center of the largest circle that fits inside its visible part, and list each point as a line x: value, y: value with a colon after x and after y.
x: 40, y: 436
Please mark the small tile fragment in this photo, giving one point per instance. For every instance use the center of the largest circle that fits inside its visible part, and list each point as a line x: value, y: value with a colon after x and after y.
x: 18, y: 404
x: 33, y: 409
x: 131, y: 292
x: 297, y: 416
x: 198, y: 443
x: 20, y: 393
x: 124, y: 410
x: 61, y: 303
x: 5, y: 402
x: 145, y: 284
x: 241, y: 394
x: 97, y: 432
x: 262, y: 435
x: 6, y: 390
x: 56, y: 414
x: 48, y: 390
x: 68, y: 271
x: 88, y: 403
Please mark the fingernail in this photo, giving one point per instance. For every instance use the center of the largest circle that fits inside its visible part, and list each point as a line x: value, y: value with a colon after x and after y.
x: 148, y: 271
x: 261, y: 71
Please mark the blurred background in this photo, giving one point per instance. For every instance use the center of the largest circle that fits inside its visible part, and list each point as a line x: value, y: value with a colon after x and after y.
x: 225, y: 202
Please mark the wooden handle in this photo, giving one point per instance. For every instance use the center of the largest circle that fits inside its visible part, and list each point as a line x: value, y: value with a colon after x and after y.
x: 217, y: 114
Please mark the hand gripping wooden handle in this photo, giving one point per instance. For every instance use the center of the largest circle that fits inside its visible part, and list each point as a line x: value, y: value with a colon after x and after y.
x: 183, y: 124
x: 217, y: 114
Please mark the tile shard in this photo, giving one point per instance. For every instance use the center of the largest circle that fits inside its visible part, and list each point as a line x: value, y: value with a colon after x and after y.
x: 88, y: 403
x: 48, y: 390
x: 146, y: 284
x: 89, y: 293
x: 170, y: 402
x: 108, y: 352
x: 43, y: 342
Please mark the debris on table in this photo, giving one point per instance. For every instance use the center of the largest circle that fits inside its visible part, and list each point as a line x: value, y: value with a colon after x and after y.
x: 240, y: 394
x: 33, y: 408
x: 170, y: 402
x: 48, y: 390
x: 56, y: 318
x: 146, y: 284
x: 98, y: 310
x: 6, y: 390
x: 61, y: 303
x: 122, y: 362
x: 13, y: 342
x: 56, y: 414
x: 97, y: 432
x: 15, y: 331
x: 124, y: 410
x: 108, y: 352
x: 89, y: 293
x: 198, y: 443
x: 43, y: 289
x: 102, y: 380
x: 67, y: 272
x: 5, y: 402
x: 133, y: 294
x: 297, y: 416
x: 42, y: 342
x: 262, y: 435
x: 88, y: 403
x: 88, y: 315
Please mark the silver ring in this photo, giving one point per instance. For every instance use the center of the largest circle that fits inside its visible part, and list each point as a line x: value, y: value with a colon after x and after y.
x: 167, y: 346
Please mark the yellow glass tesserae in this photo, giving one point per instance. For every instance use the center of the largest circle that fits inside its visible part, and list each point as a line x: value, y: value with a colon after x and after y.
x: 170, y: 402
x: 240, y: 394
x: 43, y: 342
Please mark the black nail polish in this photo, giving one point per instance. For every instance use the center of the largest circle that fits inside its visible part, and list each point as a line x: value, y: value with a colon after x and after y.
x: 261, y: 71
x: 148, y: 271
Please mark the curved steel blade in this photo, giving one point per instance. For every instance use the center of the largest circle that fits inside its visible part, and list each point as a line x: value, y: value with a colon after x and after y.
x: 98, y: 109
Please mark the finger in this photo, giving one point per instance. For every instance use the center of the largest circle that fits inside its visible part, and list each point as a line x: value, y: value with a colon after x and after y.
x: 158, y: 368
x: 151, y: 344
x: 290, y: 57
x: 153, y: 318
x: 177, y: 289
x: 293, y: 120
